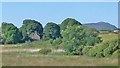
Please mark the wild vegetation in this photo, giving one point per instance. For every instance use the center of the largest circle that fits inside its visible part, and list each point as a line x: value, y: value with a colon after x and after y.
x: 70, y: 38
x: 35, y: 58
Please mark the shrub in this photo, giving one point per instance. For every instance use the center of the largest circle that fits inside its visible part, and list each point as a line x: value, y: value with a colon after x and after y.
x: 45, y: 51
x: 86, y: 49
x: 99, y: 55
x: 98, y: 50
x: 106, y: 49
x: 113, y: 46
x: 51, y: 41
x: 116, y: 53
x: 56, y: 42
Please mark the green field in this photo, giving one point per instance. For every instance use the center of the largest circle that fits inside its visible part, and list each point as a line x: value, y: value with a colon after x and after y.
x: 108, y: 37
x: 27, y: 58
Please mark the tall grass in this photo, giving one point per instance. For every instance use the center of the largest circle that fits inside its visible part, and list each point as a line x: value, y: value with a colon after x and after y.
x: 30, y: 59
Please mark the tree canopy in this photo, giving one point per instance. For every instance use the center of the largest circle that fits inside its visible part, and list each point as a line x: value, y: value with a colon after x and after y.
x: 30, y: 27
x: 10, y: 33
x: 51, y: 31
x: 69, y: 22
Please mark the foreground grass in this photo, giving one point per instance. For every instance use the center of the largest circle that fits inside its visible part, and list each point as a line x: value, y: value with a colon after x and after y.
x: 36, y: 59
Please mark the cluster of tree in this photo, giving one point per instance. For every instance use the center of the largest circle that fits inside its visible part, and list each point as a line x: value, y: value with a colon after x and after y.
x: 71, y: 34
x: 31, y: 30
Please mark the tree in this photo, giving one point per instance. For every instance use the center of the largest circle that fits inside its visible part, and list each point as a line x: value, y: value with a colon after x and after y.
x: 51, y: 31
x: 75, y: 36
x: 31, y: 28
x: 10, y: 33
x: 69, y: 22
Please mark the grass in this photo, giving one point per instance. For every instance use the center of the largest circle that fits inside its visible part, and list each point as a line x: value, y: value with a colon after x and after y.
x: 35, y: 44
x: 108, y: 37
x: 30, y: 59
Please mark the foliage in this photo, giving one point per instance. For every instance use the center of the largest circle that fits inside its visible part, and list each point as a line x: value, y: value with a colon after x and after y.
x: 10, y: 33
x: 116, y: 53
x: 75, y: 36
x: 69, y: 22
x: 56, y: 41
x: 98, y: 50
x: 29, y: 27
x: 86, y: 49
x: 105, y: 49
x: 113, y: 46
x: 51, y: 31
x: 45, y: 51
x: 91, y: 41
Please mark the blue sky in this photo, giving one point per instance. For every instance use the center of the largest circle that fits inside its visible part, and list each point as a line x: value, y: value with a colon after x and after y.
x: 59, y: 0
x: 44, y: 12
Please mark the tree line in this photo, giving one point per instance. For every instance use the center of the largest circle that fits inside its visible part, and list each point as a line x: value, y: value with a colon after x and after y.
x: 12, y: 35
x: 76, y: 39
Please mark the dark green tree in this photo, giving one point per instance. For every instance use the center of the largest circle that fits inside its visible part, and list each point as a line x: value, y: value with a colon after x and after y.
x: 51, y: 31
x: 30, y: 28
x: 10, y: 33
x: 69, y: 22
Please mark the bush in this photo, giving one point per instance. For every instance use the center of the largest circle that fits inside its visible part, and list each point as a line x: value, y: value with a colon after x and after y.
x: 56, y: 42
x: 106, y: 49
x: 116, y: 53
x: 98, y: 50
x: 99, y: 55
x: 45, y: 51
x: 86, y: 49
x: 71, y: 50
x: 91, y: 41
x: 113, y: 46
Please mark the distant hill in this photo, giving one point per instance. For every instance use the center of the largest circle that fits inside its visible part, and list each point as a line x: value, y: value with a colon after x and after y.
x: 101, y: 26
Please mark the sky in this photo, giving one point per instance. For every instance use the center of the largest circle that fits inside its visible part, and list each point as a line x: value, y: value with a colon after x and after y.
x: 44, y: 12
x: 60, y: 0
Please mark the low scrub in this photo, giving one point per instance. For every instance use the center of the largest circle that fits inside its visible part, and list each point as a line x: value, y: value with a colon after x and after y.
x: 45, y: 51
x: 86, y: 50
x: 106, y: 49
